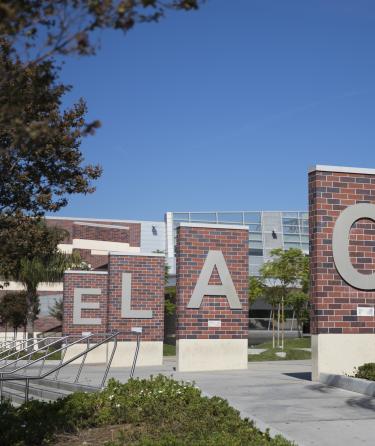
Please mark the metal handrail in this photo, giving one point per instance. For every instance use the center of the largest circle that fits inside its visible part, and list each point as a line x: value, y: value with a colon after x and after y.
x: 60, y: 366
x: 14, y: 346
x: 29, y: 346
x: 135, y: 355
x: 30, y: 363
x: 32, y: 352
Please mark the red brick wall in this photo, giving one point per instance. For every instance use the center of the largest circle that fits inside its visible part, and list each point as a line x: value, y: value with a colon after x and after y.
x: 96, y: 261
x: 193, y: 244
x: 133, y: 237
x: 147, y: 294
x: 334, y: 302
x: 85, y: 280
x: 99, y: 233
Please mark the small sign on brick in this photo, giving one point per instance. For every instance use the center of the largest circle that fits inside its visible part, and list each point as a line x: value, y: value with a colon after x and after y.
x: 365, y: 311
x: 214, y: 323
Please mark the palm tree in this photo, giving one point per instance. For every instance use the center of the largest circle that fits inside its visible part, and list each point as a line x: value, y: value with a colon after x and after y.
x: 47, y: 269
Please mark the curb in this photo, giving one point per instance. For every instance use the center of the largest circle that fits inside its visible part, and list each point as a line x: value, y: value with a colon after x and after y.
x: 358, y: 385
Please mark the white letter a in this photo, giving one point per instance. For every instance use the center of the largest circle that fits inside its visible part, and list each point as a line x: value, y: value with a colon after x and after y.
x: 202, y: 287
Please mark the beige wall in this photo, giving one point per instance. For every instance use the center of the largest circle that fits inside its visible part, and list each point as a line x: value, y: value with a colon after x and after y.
x: 339, y: 354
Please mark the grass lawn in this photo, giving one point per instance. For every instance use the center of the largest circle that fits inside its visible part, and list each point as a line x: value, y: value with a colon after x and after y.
x: 270, y: 355
x: 289, y: 343
x: 169, y: 350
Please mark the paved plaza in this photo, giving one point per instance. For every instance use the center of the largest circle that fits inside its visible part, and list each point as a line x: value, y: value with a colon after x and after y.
x: 278, y: 395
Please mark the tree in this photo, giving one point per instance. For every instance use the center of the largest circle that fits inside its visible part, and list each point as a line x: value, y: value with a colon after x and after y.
x: 25, y: 238
x: 45, y: 28
x: 40, y: 158
x: 49, y: 269
x: 256, y: 289
x: 297, y: 300
x: 31, y: 256
x: 13, y: 310
x: 287, y: 269
x: 57, y: 310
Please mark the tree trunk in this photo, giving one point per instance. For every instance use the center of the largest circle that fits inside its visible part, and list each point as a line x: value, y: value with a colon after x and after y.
x: 273, y: 327
x: 299, y: 327
x: 283, y: 323
x: 278, y: 326
x: 30, y: 317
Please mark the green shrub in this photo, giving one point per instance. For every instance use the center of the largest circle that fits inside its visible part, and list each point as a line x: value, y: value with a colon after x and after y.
x: 366, y: 371
x: 157, y: 411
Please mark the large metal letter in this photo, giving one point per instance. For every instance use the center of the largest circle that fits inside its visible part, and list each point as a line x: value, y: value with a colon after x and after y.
x: 78, y: 306
x: 126, y: 311
x: 340, y: 245
x: 202, y: 287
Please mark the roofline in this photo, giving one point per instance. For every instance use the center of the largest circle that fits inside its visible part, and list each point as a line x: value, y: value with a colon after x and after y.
x: 52, y: 217
x: 342, y: 169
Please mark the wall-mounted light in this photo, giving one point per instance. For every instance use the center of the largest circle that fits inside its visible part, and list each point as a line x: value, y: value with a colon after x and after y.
x: 154, y: 230
x: 274, y: 235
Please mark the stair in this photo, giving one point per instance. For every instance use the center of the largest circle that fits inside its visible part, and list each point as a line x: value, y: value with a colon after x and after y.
x: 42, y: 390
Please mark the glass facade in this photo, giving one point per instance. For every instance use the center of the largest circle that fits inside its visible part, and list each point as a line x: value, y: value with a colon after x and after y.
x: 267, y: 230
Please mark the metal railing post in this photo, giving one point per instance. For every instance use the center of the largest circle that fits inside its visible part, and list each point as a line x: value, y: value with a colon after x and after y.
x: 83, y: 362
x: 27, y: 390
x: 135, y: 356
x: 61, y: 361
x: 109, y: 363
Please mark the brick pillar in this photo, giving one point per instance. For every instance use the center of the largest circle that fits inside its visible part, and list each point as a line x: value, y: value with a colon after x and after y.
x: 85, y: 299
x: 342, y: 257
x: 82, y: 290
x: 212, y: 296
x: 136, y: 301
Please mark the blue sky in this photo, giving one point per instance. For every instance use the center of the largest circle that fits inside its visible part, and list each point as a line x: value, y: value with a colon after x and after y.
x: 225, y: 108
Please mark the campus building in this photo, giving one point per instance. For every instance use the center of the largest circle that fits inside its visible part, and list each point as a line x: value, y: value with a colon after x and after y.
x: 95, y: 238
x: 268, y: 230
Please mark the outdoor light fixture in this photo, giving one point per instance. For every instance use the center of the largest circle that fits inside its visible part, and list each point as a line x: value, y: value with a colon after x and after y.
x: 274, y: 235
x: 154, y: 230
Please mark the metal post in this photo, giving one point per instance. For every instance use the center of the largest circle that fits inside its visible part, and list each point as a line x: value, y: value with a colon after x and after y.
x: 135, y: 356
x: 61, y: 361
x: 1, y: 386
x: 27, y: 390
x: 83, y: 361
x: 109, y: 363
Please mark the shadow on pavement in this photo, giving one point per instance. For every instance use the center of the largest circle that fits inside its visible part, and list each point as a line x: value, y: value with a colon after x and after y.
x: 364, y: 403
x: 306, y: 376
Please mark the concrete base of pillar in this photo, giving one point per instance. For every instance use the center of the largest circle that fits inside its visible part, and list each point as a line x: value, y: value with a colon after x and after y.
x: 211, y: 354
x: 150, y: 353
x: 339, y: 354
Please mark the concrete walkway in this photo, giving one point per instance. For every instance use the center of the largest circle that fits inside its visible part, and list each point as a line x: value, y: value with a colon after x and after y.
x: 280, y: 395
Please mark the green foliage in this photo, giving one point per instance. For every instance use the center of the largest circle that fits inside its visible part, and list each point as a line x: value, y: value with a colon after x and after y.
x: 366, y: 371
x: 270, y: 355
x: 156, y: 411
x: 297, y: 301
x: 67, y: 27
x: 256, y: 289
x: 13, y: 309
x: 25, y: 238
x: 57, y: 310
x: 288, y: 268
x: 169, y: 350
x: 169, y: 301
x: 40, y: 159
x: 286, y: 271
x: 290, y: 343
x: 31, y: 256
